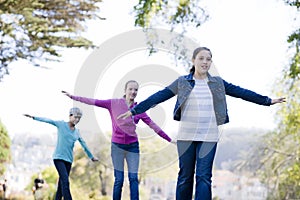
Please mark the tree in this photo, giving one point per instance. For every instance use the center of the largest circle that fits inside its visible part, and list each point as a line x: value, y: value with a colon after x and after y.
x: 294, y: 41
x: 35, y: 29
x: 276, y: 158
x: 172, y: 15
x: 5, y: 154
x: 189, y: 13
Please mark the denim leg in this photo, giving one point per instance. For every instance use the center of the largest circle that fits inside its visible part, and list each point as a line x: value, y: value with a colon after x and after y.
x: 118, y: 156
x: 187, y: 158
x: 63, y: 190
x: 58, y: 195
x: 204, y: 163
x: 118, y: 184
x: 133, y: 159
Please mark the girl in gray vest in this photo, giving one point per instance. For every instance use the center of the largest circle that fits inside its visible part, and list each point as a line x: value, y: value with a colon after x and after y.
x: 200, y: 107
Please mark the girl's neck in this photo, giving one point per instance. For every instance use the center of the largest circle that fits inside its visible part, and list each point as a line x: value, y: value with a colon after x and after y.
x: 129, y: 102
x: 71, y: 125
x: 200, y: 76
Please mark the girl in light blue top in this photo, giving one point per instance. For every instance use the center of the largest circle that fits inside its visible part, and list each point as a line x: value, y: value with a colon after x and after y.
x: 67, y: 135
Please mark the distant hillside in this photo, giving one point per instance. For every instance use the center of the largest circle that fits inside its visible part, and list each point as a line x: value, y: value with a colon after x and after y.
x: 29, y: 140
x: 33, y: 151
x: 233, y: 142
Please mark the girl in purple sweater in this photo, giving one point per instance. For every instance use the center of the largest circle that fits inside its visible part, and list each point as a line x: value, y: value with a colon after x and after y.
x: 125, y: 145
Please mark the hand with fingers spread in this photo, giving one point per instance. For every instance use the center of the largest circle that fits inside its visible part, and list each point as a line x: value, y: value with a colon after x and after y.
x: 66, y: 93
x: 95, y: 159
x: 279, y: 100
x: 125, y: 115
x: 26, y: 115
x: 174, y: 141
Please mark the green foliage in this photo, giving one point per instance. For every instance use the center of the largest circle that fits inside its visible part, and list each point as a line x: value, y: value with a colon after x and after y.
x: 285, y: 158
x: 183, y: 12
x: 146, y: 10
x: 35, y: 29
x: 172, y: 15
x: 289, y: 186
x: 50, y: 176
x: 276, y: 158
x: 189, y: 13
x: 282, y: 154
x: 5, y: 143
x: 294, y: 71
x: 294, y: 41
x: 92, y: 180
x: 295, y: 3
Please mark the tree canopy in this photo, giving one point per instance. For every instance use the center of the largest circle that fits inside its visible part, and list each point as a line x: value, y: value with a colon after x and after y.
x: 183, y: 12
x: 35, y: 29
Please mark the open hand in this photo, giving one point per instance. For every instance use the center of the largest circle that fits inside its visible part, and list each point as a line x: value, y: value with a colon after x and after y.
x: 279, y: 100
x: 173, y: 141
x: 66, y: 93
x: 26, y: 115
x: 95, y: 159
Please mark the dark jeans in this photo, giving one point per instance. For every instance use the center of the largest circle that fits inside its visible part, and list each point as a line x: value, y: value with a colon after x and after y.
x: 63, y: 189
x: 195, y: 155
x: 130, y: 153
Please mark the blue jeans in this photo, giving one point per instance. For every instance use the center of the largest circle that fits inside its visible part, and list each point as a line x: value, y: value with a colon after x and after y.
x: 199, y: 155
x: 63, y: 189
x: 130, y: 153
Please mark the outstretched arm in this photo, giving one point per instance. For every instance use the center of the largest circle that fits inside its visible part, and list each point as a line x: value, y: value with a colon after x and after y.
x: 86, y: 149
x: 248, y: 95
x: 43, y: 119
x: 85, y: 100
x: 148, y: 103
x: 89, y: 101
x: 147, y: 120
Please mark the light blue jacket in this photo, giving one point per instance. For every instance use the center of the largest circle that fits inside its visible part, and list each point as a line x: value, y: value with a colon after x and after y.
x: 183, y: 86
x: 65, y: 140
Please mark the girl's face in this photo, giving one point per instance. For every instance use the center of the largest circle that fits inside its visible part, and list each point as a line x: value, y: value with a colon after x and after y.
x: 202, y: 62
x: 131, y: 90
x: 74, y: 119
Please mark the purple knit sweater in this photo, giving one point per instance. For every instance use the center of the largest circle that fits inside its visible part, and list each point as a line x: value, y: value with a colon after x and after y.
x: 123, y: 130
